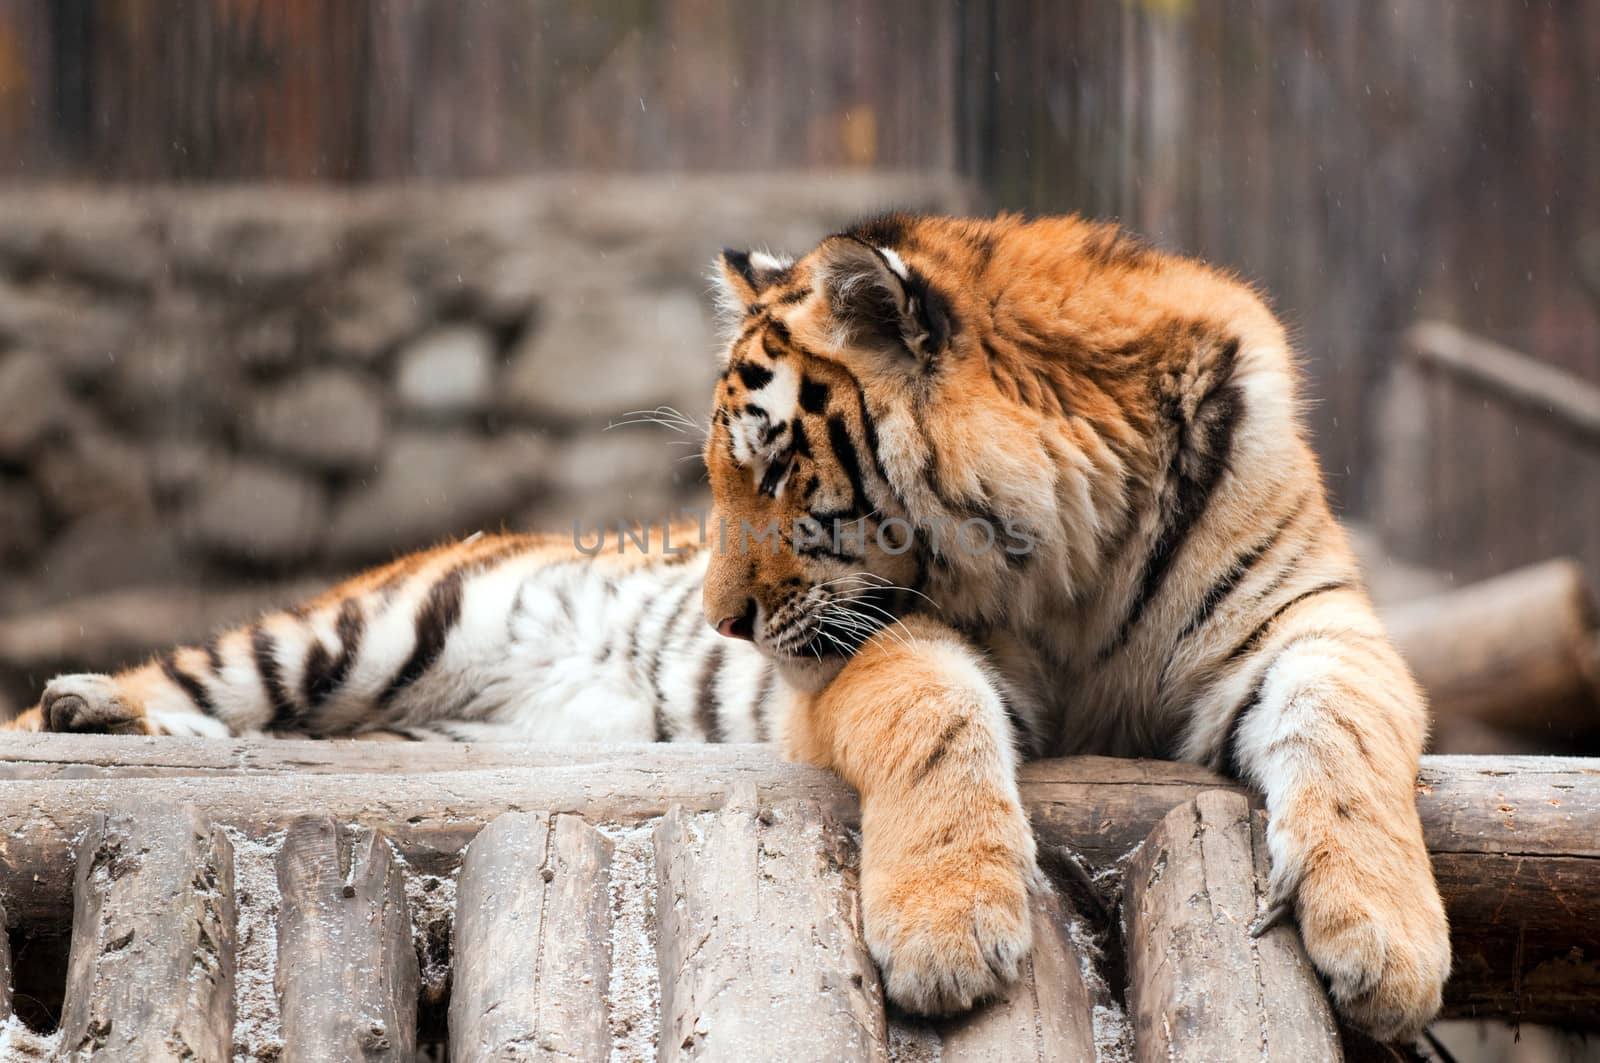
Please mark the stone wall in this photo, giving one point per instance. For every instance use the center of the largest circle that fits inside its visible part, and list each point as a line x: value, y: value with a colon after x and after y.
x: 212, y: 398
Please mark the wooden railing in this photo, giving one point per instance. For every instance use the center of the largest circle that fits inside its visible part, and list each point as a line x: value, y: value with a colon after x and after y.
x: 307, y: 898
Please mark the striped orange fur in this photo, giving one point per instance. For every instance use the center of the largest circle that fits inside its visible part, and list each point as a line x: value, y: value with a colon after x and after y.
x: 985, y: 489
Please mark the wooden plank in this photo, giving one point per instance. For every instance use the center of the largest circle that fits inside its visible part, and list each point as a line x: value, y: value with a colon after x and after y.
x: 151, y: 969
x: 738, y: 889
x: 531, y: 953
x: 7, y: 972
x: 1554, y: 396
x: 1046, y: 1016
x: 1521, y: 651
x: 347, y: 970
x: 1526, y: 825
x: 1200, y: 987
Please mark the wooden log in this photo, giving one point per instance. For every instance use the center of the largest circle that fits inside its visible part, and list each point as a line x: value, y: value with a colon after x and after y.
x: 738, y: 891
x: 347, y: 976
x: 7, y: 973
x: 1519, y: 652
x: 1047, y: 1016
x: 1199, y: 986
x: 1554, y: 396
x: 151, y: 969
x: 531, y: 951
x: 1513, y: 838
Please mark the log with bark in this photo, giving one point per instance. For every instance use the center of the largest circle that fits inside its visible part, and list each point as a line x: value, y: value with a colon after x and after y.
x: 151, y: 970
x: 532, y: 947
x: 1199, y: 985
x: 1519, y: 653
x: 757, y: 911
x: 347, y: 969
x: 1514, y: 840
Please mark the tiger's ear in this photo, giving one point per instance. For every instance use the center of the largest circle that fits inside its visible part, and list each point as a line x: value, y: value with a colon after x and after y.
x: 877, y: 301
x: 741, y: 277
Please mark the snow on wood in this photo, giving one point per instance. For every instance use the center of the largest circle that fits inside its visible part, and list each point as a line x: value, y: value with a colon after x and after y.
x: 532, y: 952
x: 151, y: 971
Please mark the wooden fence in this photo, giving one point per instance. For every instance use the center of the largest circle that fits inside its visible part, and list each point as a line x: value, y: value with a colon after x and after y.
x: 373, y: 872
x: 1369, y: 163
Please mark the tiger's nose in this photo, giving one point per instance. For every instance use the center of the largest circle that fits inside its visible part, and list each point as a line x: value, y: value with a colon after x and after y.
x: 740, y: 627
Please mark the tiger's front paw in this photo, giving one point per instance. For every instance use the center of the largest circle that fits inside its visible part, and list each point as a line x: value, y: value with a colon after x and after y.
x: 1379, y: 936
x: 949, y: 929
x: 90, y: 704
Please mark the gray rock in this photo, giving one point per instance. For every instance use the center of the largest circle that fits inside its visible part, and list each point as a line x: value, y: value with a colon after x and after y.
x: 255, y: 513
x: 94, y: 473
x: 21, y: 522
x: 370, y: 313
x: 270, y: 341
x: 170, y: 371
x: 256, y: 242
x: 598, y: 357
x: 104, y: 238
x: 180, y: 465
x: 100, y: 553
x: 85, y: 333
x: 628, y: 474
x: 448, y: 370
x: 327, y: 418
x: 32, y: 402
x: 434, y: 484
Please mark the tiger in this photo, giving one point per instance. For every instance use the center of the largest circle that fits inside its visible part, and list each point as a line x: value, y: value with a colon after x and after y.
x: 983, y: 490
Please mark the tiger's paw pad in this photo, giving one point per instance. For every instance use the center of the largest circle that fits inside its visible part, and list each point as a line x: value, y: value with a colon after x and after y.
x: 90, y: 704
x: 946, y: 943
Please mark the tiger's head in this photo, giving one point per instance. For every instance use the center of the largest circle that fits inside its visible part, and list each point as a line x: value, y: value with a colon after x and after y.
x: 817, y: 447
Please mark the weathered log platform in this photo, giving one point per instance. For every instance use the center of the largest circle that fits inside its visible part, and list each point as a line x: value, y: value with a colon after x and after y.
x: 745, y: 853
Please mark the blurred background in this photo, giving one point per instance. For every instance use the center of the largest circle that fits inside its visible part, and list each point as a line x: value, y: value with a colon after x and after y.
x: 288, y: 286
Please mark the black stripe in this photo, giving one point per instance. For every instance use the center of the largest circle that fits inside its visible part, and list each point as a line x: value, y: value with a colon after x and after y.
x: 1227, y: 757
x: 813, y: 395
x: 436, y: 617
x: 1237, y: 572
x: 941, y: 749
x: 1215, y: 421
x: 774, y: 476
x: 670, y: 622
x: 758, y: 709
x: 284, y: 714
x: 771, y: 347
x: 189, y: 685
x: 1260, y: 632
x: 844, y: 451
x: 740, y: 261
x: 213, y: 650
x: 1227, y: 753
x: 754, y: 377
x: 708, y: 709
x: 801, y: 442
x: 324, y: 673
